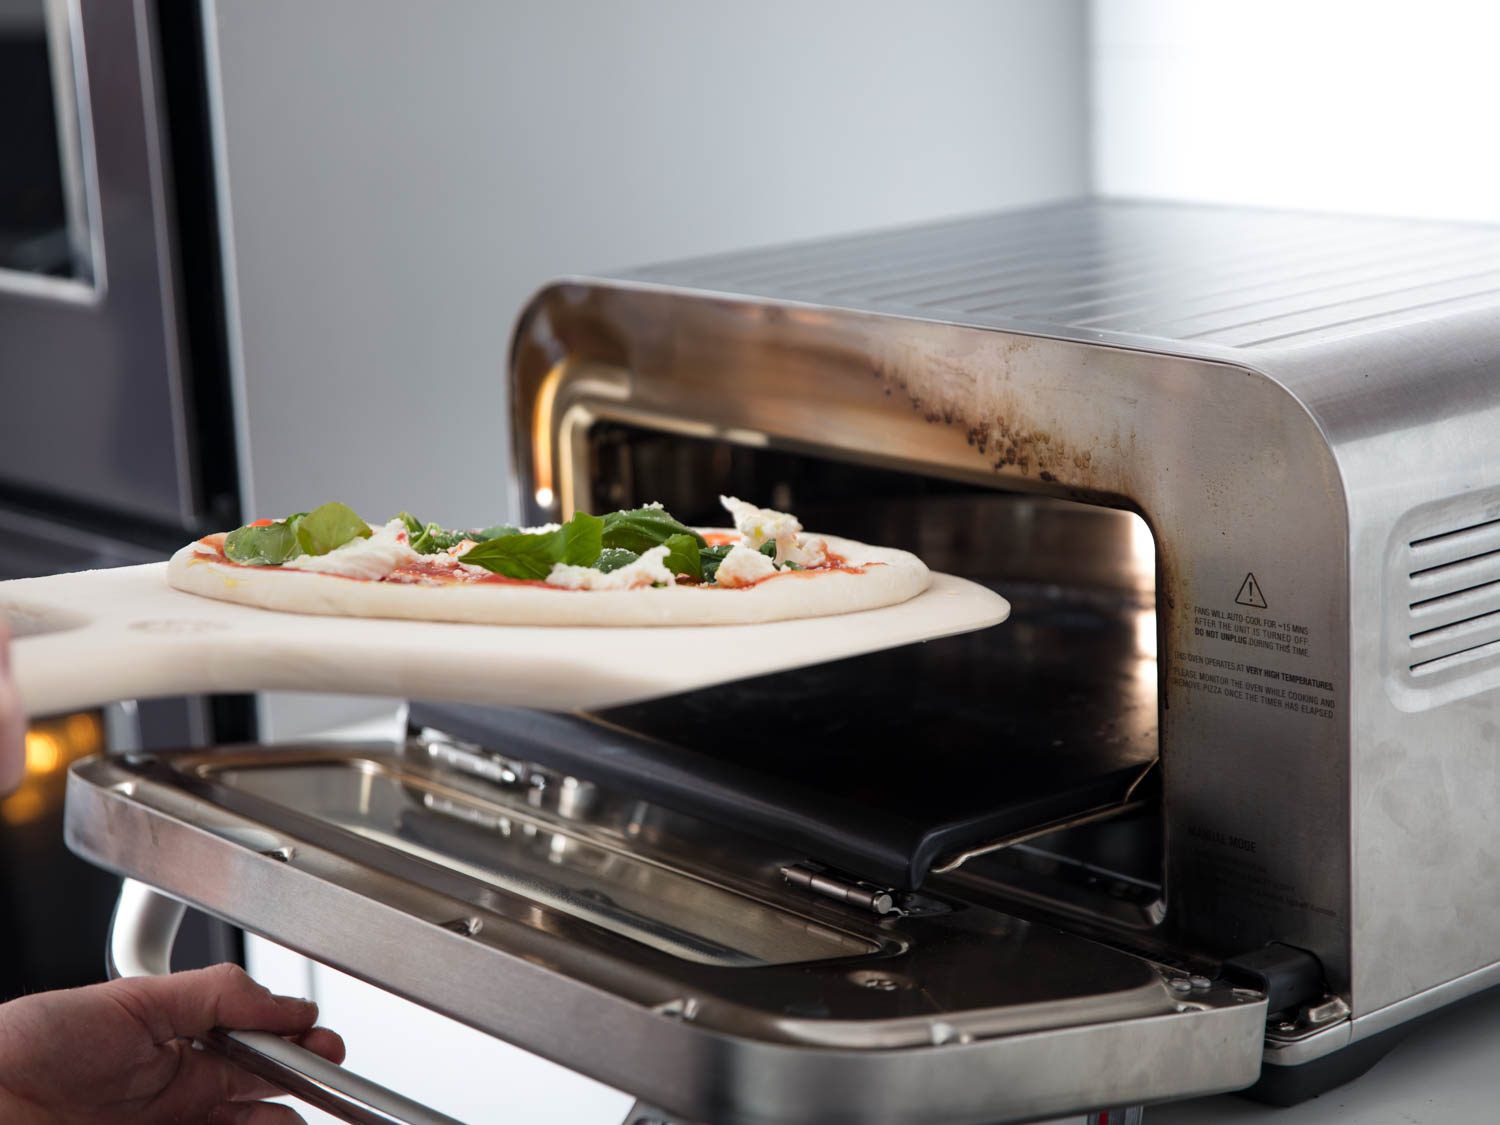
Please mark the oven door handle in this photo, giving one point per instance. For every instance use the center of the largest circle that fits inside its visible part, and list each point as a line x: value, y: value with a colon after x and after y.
x: 141, y: 935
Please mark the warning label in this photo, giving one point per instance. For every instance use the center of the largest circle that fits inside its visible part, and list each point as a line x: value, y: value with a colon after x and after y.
x: 1253, y: 630
x: 1250, y: 594
x: 1248, y: 683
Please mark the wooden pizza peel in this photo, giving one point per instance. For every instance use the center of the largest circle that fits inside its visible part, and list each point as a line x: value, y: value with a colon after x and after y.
x: 95, y: 637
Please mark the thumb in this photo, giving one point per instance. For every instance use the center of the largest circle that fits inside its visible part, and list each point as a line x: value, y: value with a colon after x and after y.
x: 189, y: 1003
x: 254, y: 1113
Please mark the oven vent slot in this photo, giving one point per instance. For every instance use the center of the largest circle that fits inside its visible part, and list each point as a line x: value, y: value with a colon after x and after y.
x: 1453, y: 601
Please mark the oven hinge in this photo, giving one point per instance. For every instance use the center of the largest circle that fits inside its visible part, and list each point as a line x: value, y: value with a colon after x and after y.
x: 819, y: 880
x: 474, y: 760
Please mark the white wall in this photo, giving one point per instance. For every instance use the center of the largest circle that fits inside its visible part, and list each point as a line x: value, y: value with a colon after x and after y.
x: 1344, y: 105
x: 400, y: 176
x: 403, y: 175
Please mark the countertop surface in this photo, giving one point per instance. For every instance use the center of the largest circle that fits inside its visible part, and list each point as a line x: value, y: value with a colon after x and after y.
x: 1446, y: 1073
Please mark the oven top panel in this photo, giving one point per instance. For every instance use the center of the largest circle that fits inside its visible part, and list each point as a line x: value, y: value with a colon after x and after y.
x: 1206, y: 280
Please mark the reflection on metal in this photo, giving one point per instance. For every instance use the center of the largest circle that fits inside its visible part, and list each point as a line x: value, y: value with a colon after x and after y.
x: 542, y: 426
x: 73, y: 113
x: 560, y: 412
x: 1094, y: 816
x: 1001, y: 1019
x: 864, y: 896
x: 1151, y: 767
x: 500, y: 838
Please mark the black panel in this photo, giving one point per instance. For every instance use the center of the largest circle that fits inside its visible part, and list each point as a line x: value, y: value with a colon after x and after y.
x: 54, y: 908
x: 203, y: 313
x: 33, y: 220
x: 883, y: 763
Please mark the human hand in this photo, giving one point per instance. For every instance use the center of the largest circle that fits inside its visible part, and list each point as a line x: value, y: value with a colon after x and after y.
x: 122, y: 1051
x: 12, y: 721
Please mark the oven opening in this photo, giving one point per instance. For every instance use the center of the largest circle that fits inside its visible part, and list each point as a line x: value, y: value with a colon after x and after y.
x: 1023, y: 756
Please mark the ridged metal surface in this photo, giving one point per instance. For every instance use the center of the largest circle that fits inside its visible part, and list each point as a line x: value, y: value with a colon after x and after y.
x: 1231, y: 277
x: 1454, y: 621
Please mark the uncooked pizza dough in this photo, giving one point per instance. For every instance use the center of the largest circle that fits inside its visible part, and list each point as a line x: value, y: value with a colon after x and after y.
x: 864, y: 577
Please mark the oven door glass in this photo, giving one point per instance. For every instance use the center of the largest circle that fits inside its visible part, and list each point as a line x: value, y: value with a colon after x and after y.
x: 91, y: 321
x: 657, y: 953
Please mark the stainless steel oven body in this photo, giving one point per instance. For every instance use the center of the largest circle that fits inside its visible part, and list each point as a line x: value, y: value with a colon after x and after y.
x: 1210, y: 810
x: 1304, y: 410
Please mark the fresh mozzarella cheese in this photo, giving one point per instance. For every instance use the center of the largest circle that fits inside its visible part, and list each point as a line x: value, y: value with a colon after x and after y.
x: 743, y: 567
x: 809, y: 550
x: 648, y: 570
x: 374, y: 558
x: 453, y: 558
x: 760, y: 525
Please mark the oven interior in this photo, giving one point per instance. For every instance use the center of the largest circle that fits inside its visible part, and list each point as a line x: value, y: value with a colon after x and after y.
x: 1025, y: 754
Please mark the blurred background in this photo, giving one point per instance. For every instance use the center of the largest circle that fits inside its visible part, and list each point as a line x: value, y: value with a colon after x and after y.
x: 260, y: 254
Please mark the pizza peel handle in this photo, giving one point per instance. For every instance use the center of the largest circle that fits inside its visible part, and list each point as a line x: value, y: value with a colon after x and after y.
x: 89, y: 638
x: 86, y: 639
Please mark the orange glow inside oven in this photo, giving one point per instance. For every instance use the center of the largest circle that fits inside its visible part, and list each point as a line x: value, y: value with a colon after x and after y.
x: 52, y: 745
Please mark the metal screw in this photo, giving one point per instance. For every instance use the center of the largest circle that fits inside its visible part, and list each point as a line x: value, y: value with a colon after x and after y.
x: 1200, y: 983
x: 1179, y: 984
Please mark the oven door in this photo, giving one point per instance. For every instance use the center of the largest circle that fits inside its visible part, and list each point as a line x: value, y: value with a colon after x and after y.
x: 92, y: 348
x: 657, y: 953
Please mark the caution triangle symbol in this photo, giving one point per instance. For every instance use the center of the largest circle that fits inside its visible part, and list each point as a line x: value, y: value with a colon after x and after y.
x: 1250, y: 593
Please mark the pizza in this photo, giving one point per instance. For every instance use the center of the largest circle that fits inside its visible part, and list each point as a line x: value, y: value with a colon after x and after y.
x: 639, y: 566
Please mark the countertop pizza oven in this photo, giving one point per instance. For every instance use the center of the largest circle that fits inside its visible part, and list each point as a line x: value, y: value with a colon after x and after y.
x: 1238, y: 473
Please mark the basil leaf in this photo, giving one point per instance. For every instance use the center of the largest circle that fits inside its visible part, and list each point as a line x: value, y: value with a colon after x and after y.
x: 613, y: 558
x: 269, y: 544
x: 683, y: 556
x: 640, y: 529
x: 532, y: 556
x: 435, y: 539
x: 709, y: 559
x: 768, y: 548
x: 329, y: 526
x: 432, y: 538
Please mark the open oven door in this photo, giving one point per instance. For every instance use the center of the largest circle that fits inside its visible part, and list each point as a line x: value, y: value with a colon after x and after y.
x: 660, y: 954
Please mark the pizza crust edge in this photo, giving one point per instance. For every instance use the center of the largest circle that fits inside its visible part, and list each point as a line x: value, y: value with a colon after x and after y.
x: 789, y: 595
